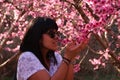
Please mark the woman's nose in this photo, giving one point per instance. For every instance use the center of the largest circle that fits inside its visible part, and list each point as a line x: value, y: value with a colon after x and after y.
x: 56, y: 37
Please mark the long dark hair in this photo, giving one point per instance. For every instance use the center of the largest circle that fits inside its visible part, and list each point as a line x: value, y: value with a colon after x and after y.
x: 31, y: 40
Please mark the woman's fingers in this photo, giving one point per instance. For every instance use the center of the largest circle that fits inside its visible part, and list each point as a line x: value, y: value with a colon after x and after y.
x: 72, y: 49
x: 71, y: 45
x: 81, y: 46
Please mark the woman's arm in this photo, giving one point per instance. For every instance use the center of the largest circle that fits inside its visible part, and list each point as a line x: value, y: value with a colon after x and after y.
x: 70, y: 73
x: 65, y: 70
x: 59, y: 75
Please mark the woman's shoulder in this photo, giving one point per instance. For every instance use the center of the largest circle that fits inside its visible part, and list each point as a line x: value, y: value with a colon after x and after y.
x: 27, y: 55
x: 31, y: 60
x: 58, y: 56
x: 28, y: 64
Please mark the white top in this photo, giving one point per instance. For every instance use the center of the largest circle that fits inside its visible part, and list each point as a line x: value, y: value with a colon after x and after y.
x: 28, y: 64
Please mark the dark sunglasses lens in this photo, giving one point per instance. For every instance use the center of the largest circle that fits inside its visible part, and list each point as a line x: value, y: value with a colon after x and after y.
x: 51, y: 34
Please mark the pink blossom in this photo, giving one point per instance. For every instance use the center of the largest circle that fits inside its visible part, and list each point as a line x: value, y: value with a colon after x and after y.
x: 8, y: 49
x: 76, y: 67
x: 1, y: 0
x: 118, y: 36
x: 77, y: 57
x: 16, y: 49
x: 13, y: 34
x: 9, y: 42
x: 59, y: 21
x: 118, y: 57
x: 106, y: 55
x: 95, y: 61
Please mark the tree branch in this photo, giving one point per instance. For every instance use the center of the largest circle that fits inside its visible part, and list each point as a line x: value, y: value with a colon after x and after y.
x: 96, y: 17
x: 105, y: 46
x: 5, y: 39
x: 79, y: 9
x: 92, y: 50
x: 84, y: 56
x: 13, y: 58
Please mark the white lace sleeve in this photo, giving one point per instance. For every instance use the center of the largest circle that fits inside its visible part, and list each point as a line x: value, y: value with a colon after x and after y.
x: 28, y: 64
x: 59, y: 58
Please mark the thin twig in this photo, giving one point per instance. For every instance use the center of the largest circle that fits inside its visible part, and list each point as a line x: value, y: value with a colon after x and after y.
x: 84, y: 56
x: 93, y: 50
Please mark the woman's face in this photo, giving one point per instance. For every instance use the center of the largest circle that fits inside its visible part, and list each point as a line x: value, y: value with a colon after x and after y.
x: 49, y: 40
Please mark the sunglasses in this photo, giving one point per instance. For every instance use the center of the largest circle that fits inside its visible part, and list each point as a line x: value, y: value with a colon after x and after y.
x: 52, y: 33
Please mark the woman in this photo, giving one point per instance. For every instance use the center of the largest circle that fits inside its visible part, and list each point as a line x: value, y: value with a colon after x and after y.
x: 38, y: 60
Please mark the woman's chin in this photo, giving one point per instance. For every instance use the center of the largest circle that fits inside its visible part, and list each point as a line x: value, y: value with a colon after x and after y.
x: 55, y: 48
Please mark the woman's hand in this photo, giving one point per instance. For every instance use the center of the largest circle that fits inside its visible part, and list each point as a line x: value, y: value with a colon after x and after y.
x: 72, y: 49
